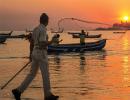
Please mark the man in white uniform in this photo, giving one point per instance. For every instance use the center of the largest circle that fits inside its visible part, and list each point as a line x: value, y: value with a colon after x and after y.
x: 39, y: 59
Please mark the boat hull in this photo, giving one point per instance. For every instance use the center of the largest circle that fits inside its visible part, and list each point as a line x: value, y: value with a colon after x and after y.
x: 87, y: 36
x: 91, y: 46
x: 6, y: 34
x: 3, y: 39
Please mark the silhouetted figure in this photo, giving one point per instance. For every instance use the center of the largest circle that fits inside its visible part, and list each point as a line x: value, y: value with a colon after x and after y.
x: 39, y: 59
x: 82, y: 37
x: 56, y: 40
x: 87, y: 33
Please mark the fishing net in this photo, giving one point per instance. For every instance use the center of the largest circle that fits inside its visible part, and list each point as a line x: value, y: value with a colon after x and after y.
x: 78, y: 24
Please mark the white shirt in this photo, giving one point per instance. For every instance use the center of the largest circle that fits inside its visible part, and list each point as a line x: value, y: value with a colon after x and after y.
x: 39, y: 34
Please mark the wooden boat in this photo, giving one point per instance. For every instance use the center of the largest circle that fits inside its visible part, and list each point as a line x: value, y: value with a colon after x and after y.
x: 90, y: 46
x: 120, y: 32
x: 29, y: 31
x: 74, y: 33
x: 18, y: 36
x: 87, y: 36
x: 6, y: 34
x: 3, y: 39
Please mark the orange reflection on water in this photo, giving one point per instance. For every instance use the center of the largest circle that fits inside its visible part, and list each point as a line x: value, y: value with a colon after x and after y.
x: 125, y: 43
x: 125, y: 58
x: 126, y: 68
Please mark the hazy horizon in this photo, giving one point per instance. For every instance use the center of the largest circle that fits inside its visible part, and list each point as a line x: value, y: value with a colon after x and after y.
x: 24, y: 14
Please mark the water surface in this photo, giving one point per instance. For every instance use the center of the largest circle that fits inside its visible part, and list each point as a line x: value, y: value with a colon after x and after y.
x: 93, y: 75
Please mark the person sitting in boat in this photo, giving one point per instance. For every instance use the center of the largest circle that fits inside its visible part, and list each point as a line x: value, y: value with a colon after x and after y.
x: 55, y: 40
x: 82, y: 37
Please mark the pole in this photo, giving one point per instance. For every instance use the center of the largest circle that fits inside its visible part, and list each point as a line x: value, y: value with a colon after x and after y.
x: 14, y: 76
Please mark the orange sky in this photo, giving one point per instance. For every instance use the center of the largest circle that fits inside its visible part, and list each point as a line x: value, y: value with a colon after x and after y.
x: 22, y: 14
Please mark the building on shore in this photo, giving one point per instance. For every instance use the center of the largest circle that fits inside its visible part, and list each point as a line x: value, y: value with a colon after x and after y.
x: 122, y: 25
x: 117, y: 26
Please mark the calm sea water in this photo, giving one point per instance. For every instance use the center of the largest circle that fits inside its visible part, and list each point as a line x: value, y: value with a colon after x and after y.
x: 94, y: 75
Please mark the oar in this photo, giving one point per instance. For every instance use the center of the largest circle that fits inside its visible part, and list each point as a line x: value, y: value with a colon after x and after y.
x: 14, y: 76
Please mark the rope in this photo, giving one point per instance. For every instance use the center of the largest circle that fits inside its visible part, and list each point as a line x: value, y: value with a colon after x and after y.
x: 15, y: 75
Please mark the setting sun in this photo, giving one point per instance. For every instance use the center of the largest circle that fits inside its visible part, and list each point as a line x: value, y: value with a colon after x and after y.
x: 125, y: 18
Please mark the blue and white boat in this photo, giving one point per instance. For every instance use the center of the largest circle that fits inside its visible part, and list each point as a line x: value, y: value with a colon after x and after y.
x: 77, y: 47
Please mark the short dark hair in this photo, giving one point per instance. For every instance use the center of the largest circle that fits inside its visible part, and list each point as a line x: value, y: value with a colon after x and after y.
x: 58, y: 35
x: 44, y: 18
x: 82, y: 31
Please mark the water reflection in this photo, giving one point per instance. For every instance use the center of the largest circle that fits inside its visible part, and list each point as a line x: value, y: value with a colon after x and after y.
x: 82, y: 62
x: 94, y: 75
x: 126, y: 74
x: 125, y: 44
x: 57, y: 59
x: 125, y: 59
x: 125, y: 67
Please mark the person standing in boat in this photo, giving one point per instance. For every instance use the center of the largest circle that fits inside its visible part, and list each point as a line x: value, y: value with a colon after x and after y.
x: 87, y: 33
x: 82, y: 37
x: 56, y: 40
x: 39, y: 60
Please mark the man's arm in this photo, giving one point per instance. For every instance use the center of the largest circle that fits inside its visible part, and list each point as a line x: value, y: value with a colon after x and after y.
x: 44, y: 44
x: 60, y: 40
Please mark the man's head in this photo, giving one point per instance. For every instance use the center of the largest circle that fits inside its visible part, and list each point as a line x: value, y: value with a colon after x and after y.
x: 58, y: 35
x: 44, y: 19
x: 82, y: 31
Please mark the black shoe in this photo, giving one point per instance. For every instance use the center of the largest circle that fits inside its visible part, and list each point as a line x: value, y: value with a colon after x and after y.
x: 16, y: 94
x: 52, y: 97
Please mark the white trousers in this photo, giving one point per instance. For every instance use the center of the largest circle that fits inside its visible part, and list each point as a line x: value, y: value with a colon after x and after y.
x: 39, y: 59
